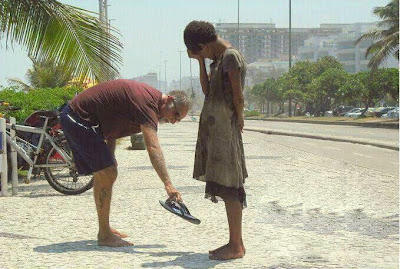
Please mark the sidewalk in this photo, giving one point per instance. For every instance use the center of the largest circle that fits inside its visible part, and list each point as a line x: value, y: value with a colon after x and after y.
x: 371, y: 142
x: 378, y: 123
x: 380, y: 144
x: 303, y: 212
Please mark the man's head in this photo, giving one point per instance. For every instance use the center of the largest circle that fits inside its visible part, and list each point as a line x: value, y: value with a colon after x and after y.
x: 197, y: 36
x: 175, y: 107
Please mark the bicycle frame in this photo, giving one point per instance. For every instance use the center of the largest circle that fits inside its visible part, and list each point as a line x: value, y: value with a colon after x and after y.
x: 43, y: 135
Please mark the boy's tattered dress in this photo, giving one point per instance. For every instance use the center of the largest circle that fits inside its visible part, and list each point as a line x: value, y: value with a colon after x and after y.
x: 219, y: 158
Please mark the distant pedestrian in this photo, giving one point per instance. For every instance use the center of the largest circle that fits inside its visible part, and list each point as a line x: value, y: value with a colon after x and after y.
x: 93, y: 121
x: 219, y: 157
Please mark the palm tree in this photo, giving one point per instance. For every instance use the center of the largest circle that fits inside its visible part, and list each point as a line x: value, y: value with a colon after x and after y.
x: 388, y: 38
x: 44, y: 74
x: 67, y: 35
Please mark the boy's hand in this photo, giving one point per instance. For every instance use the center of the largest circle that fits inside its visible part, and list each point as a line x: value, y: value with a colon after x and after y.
x: 192, y: 55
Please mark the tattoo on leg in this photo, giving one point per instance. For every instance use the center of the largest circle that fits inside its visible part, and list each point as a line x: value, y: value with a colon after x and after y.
x: 103, y: 196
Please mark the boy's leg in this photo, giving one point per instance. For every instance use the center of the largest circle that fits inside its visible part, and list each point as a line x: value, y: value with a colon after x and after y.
x: 235, y: 248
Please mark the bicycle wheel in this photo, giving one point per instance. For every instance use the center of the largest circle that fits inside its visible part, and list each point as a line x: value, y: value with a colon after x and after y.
x: 62, y: 178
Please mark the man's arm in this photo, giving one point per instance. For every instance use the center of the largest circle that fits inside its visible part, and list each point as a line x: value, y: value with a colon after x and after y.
x: 237, y: 96
x: 157, y: 159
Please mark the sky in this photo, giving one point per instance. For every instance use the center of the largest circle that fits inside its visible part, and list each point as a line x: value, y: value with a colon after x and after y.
x: 152, y: 30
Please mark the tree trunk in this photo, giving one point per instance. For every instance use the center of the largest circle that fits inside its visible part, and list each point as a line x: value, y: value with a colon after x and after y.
x: 365, y: 111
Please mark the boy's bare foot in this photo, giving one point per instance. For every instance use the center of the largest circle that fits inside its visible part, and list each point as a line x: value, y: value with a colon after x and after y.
x: 224, y: 246
x: 120, y: 235
x: 112, y: 240
x: 227, y: 252
x: 217, y: 249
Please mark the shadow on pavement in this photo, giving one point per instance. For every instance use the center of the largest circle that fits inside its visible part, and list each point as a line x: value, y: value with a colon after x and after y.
x: 149, y: 167
x: 90, y: 245
x: 356, y: 220
x: 17, y: 236
x: 184, y: 260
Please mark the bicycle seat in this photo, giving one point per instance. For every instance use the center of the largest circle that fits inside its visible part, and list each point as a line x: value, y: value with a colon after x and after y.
x: 36, y: 118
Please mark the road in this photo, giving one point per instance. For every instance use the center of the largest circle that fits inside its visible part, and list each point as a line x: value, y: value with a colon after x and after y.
x: 308, y: 207
x: 364, y: 156
x: 345, y: 131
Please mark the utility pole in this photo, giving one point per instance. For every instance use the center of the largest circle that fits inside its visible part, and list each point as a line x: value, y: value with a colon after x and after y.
x: 180, y: 69
x: 165, y: 75
x: 238, y: 33
x: 101, y: 10
x: 105, y: 10
x: 290, y: 51
x: 159, y: 72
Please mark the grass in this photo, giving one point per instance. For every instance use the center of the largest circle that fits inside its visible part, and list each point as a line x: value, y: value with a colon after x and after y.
x: 327, y: 119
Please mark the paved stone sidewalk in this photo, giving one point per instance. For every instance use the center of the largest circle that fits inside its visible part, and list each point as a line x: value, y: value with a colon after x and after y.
x: 303, y: 211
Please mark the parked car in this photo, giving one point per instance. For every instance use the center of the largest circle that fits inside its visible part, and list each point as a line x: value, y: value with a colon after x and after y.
x: 370, y: 112
x: 341, y: 110
x: 354, y: 113
x: 392, y: 114
x: 382, y: 110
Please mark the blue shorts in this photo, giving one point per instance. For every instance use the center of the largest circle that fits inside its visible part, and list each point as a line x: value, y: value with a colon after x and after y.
x: 89, y: 150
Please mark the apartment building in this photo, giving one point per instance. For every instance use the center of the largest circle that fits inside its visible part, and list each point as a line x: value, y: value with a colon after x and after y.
x: 342, y: 46
x: 263, y: 40
x: 151, y: 79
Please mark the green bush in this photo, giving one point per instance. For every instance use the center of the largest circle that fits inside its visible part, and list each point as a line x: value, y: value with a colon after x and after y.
x: 37, y: 99
x: 251, y: 113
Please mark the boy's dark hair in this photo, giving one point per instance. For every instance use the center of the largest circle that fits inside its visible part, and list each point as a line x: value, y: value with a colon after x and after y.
x: 198, y: 32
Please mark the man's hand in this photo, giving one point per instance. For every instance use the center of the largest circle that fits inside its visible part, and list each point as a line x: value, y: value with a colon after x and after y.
x: 173, y: 193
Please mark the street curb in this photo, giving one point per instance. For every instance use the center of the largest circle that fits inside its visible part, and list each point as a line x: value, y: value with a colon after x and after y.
x: 388, y: 125
x: 375, y: 144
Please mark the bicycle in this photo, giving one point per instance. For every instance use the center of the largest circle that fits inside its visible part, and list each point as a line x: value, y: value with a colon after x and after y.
x: 51, y: 155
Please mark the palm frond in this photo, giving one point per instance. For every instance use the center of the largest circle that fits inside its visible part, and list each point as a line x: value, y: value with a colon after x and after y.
x: 65, y: 34
x: 16, y: 81
x: 388, y: 42
x: 382, y: 50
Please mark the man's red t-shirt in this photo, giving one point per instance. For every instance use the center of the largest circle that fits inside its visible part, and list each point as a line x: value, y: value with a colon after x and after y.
x: 119, y: 106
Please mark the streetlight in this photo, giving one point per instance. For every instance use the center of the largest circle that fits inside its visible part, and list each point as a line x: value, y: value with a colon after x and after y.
x: 109, y: 24
x: 238, y: 35
x: 180, y: 69
x: 159, y: 72
x: 290, y: 50
x: 165, y: 75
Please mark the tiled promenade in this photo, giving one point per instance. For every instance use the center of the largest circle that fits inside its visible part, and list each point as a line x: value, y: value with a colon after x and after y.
x: 303, y: 211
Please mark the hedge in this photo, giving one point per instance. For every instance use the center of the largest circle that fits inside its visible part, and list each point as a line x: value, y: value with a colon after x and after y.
x: 28, y: 102
x: 251, y: 113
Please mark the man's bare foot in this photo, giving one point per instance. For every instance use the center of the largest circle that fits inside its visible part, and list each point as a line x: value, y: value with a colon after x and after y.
x: 112, y: 240
x: 120, y: 235
x: 227, y: 252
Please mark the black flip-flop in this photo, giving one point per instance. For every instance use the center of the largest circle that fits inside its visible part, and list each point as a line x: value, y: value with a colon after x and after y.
x: 179, y: 209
